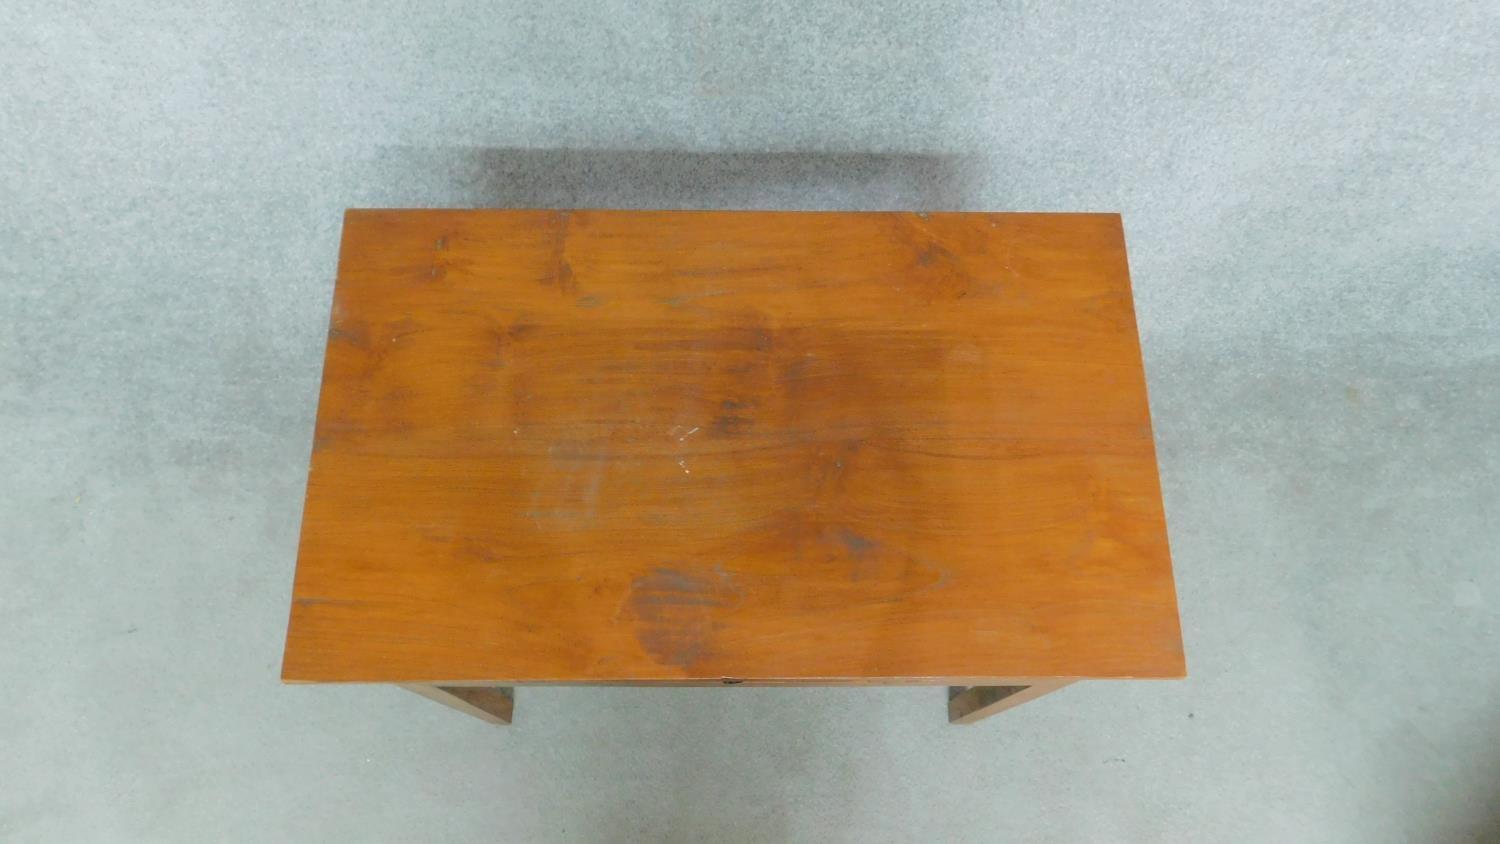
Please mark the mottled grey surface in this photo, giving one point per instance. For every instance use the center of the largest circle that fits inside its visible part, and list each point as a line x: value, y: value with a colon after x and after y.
x: 1312, y: 202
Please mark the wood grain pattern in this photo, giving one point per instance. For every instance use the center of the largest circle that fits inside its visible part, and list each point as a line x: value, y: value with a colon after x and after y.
x: 605, y: 446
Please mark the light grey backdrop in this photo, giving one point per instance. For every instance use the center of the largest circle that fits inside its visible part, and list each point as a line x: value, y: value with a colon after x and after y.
x: 1310, y: 194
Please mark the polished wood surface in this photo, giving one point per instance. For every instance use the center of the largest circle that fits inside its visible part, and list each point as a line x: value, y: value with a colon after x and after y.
x: 606, y: 446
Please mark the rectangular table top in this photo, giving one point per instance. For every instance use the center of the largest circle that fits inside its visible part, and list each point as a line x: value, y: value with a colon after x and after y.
x: 653, y: 446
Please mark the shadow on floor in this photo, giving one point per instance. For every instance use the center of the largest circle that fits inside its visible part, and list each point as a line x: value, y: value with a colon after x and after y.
x: 599, y: 178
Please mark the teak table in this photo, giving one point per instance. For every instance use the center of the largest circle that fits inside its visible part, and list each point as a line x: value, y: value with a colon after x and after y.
x: 643, y: 447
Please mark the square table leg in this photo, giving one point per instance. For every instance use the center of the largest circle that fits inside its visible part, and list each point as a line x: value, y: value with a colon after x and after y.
x: 967, y: 704
x: 493, y: 703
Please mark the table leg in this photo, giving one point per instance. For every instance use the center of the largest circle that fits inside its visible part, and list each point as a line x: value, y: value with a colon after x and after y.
x: 490, y: 703
x: 967, y: 704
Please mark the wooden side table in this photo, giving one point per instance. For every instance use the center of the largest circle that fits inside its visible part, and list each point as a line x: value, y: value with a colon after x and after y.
x: 640, y: 447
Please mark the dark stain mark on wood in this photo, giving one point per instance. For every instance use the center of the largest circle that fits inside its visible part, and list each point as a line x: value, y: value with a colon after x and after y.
x: 941, y: 273
x: 439, y: 268
x: 404, y: 327
x: 858, y: 544
x: 672, y: 587
x: 730, y: 269
x: 730, y: 425
x: 589, y: 301
x: 499, y: 354
x: 394, y: 399
x: 561, y: 275
x: 764, y: 341
x: 866, y: 557
x: 827, y: 473
x: 798, y: 368
x: 566, y: 282
x: 325, y: 602
x: 937, y: 272
x: 855, y: 566
x: 934, y: 252
x: 1113, y: 307
x: 478, y: 551
x: 674, y: 609
x: 940, y: 579
x: 355, y: 334
x: 685, y: 298
x: 332, y: 430
x: 502, y: 339
x: 727, y: 339
x: 1079, y: 551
